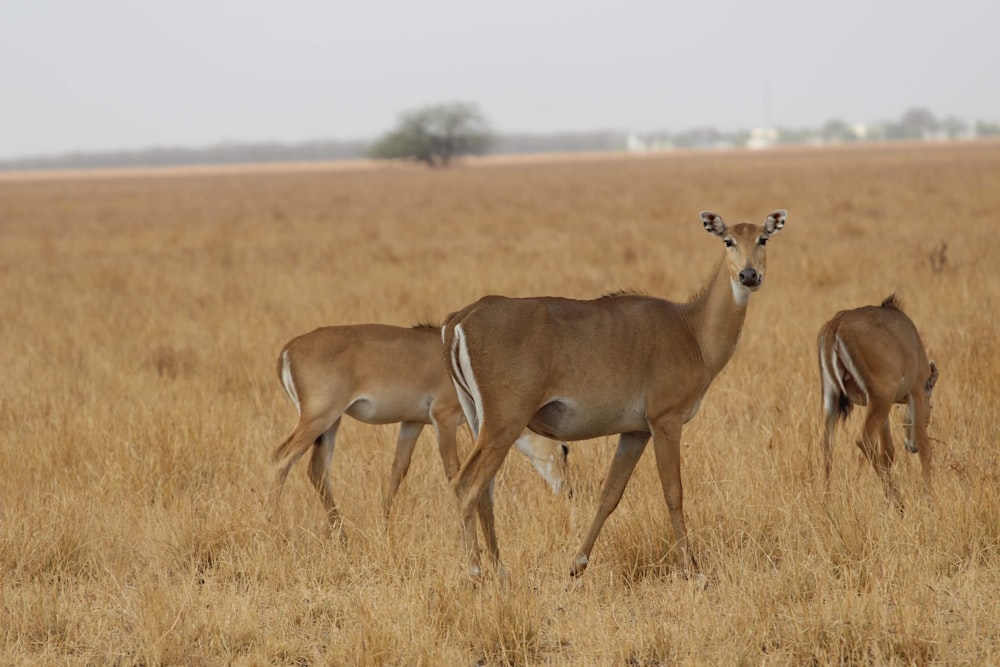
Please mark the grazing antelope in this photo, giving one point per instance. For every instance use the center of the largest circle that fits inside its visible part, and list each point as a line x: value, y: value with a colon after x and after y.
x: 623, y: 364
x: 873, y: 356
x: 379, y: 374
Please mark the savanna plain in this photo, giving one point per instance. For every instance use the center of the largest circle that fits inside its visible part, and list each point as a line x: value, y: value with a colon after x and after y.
x: 141, y: 315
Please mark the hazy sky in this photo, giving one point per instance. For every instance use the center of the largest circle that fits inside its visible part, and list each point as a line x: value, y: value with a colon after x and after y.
x: 112, y: 74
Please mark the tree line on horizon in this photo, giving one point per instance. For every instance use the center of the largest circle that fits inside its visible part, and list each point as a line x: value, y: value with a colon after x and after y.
x: 435, y: 135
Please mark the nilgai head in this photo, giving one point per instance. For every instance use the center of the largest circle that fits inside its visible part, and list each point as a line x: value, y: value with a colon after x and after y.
x: 746, y: 255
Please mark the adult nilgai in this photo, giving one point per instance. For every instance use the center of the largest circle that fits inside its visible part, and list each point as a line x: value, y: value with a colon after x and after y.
x: 628, y: 364
x: 874, y: 356
x: 379, y: 374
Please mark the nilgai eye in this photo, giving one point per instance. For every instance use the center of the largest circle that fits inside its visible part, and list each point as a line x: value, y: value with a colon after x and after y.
x: 730, y: 243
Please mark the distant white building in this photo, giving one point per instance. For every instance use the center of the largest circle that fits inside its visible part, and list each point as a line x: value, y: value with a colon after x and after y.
x: 636, y: 143
x: 762, y: 137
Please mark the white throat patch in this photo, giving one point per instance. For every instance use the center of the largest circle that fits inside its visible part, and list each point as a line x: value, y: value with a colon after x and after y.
x: 741, y: 294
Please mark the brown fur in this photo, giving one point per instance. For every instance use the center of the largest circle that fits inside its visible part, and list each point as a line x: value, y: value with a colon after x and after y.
x: 873, y: 356
x: 377, y: 374
x: 628, y: 364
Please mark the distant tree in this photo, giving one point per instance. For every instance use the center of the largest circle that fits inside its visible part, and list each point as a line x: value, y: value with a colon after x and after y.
x: 698, y: 137
x: 987, y: 129
x: 878, y: 131
x: 914, y: 124
x: 837, y: 131
x: 435, y: 134
x: 790, y: 135
x: 954, y: 127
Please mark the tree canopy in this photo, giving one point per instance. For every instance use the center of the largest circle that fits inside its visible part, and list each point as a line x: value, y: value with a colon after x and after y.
x: 435, y: 134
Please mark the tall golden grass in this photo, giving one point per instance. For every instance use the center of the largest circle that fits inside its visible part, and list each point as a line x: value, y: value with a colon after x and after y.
x: 140, y: 318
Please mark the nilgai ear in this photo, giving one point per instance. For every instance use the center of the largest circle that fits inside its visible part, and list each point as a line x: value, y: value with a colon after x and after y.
x: 932, y: 380
x: 713, y: 223
x: 775, y: 221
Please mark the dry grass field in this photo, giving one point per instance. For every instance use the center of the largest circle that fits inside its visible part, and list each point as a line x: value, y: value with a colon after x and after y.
x: 140, y: 319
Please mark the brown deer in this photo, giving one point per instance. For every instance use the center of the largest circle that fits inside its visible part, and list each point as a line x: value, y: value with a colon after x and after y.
x: 873, y: 356
x: 379, y: 374
x: 624, y: 364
